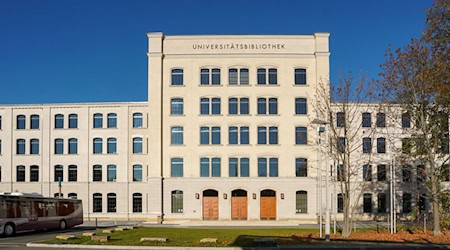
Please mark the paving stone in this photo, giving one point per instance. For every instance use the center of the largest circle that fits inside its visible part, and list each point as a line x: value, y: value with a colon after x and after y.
x: 88, y: 234
x: 154, y: 239
x: 208, y: 240
x: 65, y: 237
x: 107, y: 231
x: 101, y: 238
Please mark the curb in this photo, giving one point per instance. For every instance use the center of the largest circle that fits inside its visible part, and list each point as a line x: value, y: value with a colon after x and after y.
x: 31, y: 244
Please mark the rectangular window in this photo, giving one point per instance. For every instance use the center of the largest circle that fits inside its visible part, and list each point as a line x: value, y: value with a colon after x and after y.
x: 97, y: 203
x: 300, y: 106
x: 177, y: 77
x: 406, y: 173
x: 301, y: 167
x: 262, y: 106
x: 301, y: 135
x: 34, y: 173
x: 273, y: 167
x: 204, y: 76
x: 382, y: 203
x: 239, y: 167
x: 340, y: 119
x: 367, y: 172
x: 20, y: 120
x: 73, y: 121
x: 367, y: 200
x: 243, y: 107
x: 381, y: 145
x: 215, y: 106
x: 59, y: 121
x: 233, y: 106
x: 261, y: 76
x: 176, y: 167
x: 262, y: 135
x: 273, y: 135
x: 262, y: 167
x: 273, y: 76
x: 381, y: 120
x: 341, y: 144
x: 20, y: 146
x: 233, y: 135
x: 137, y: 120
x: 215, y: 76
x: 112, y: 120
x: 176, y: 106
x: 210, y: 167
x: 406, y: 120
x: 204, y: 135
x: 381, y: 172
x: 244, y: 135
x: 243, y: 77
x: 300, y: 76
x: 366, y: 120
x: 177, y: 136
x: 367, y: 145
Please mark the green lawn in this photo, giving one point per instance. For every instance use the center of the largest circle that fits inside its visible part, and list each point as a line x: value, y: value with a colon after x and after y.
x: 192, y: 236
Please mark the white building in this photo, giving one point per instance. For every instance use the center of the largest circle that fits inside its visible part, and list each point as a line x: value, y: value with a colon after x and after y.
x: 226, y: 135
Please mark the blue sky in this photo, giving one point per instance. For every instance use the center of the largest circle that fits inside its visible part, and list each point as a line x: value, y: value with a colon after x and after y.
x: 95, y: 50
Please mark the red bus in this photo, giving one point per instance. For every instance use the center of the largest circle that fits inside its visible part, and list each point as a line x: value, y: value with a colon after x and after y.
x: 25, y: 212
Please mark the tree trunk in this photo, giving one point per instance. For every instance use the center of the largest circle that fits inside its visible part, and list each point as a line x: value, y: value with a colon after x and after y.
x: 347, y: 229
x: 435, y: 204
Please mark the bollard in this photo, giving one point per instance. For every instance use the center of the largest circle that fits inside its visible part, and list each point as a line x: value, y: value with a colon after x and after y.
x: 95, y: 223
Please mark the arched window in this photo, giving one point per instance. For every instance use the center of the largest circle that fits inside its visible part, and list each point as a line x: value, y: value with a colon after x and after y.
x: 34, y: 146
x: 20, y: 174
x: 382, y: 202
x: 73, y: 121
x: 59, y: 121
x: 112, y: 146
x: 59, y: 173
x: 177, y: 136
x: 112, y: 120
x: 137, y: 172
x: 98, y: 120
x: 34, y: 122
x: 301, y: 202
x: 301, y: 135
x: 34, y: 173
x: 20, y: 122
x: 137, y: 145
x: 20, y: 146
x: 406, y: 202
x: 137, y: 120
x: 111, y: 173
x: 98, y: 144
x: 73, y: 146
x: 73, y: 173
x: 340, y: 203
x: 137, y: 203
x: 177, y: 201
x: 97, y: 173
x: 97, y: 203
x: 59, y: 146
x: 112, y: 203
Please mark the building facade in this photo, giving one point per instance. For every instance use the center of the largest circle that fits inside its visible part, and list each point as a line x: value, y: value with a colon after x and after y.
x: 226, y: 134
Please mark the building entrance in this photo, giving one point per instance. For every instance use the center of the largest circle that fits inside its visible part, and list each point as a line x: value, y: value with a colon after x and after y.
x: 239, y: 204
x: 268, y: 205
x: 210, y: 205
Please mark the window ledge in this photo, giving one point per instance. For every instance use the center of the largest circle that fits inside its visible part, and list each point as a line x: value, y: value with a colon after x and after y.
x: 182, y: 115
x: 214, y: 145
x: 267, y: 114
x: 177, y: 86
x: 239, y: 115
x: 301, y: 115
x: 268, y: 144
x: 301, y: 85
x: 268, y: 85
x: 239, y: 85
x: 206, y: 115
x: 301, y: 144
x: 178, y: 145
x: 210, y: 85
x: 239, y: 144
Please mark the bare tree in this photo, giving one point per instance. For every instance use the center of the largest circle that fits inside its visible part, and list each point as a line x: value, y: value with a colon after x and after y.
x: 416, y: 79
x: 342, y: 105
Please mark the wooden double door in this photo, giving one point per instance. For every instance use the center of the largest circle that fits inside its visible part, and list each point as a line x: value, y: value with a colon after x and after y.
x: 239, y: 205
x: 210, y: 205
x: 268, y: 205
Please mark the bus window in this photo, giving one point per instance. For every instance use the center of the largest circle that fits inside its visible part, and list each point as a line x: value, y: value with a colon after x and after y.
x: 50, y: 209
x: 65, y: 208
x: 3, y: 209
x: 25, y: 209
x: 39, y: 208
x: 13, y: 209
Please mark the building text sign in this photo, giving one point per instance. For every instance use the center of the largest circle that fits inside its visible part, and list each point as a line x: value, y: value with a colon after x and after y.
x: 239, y: 46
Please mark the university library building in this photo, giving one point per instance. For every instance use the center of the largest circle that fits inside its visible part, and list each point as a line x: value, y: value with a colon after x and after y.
x: 226, y: 134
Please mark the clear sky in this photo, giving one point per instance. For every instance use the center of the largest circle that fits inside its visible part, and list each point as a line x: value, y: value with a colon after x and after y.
x: 54, y: 51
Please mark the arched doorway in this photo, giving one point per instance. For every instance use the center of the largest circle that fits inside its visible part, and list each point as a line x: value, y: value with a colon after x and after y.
x: 268, y: 205
x: 210, y: 204
x: 239, y: 204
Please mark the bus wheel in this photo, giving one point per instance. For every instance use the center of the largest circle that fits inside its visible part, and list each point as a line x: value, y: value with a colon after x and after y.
x: 9, y: 229
x: 62, y: 225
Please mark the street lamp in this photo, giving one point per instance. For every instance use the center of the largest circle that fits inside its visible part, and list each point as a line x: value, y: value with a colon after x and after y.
x: 322, y: 127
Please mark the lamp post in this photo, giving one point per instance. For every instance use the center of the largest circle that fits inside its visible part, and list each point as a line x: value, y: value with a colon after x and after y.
x: 322, y: 127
